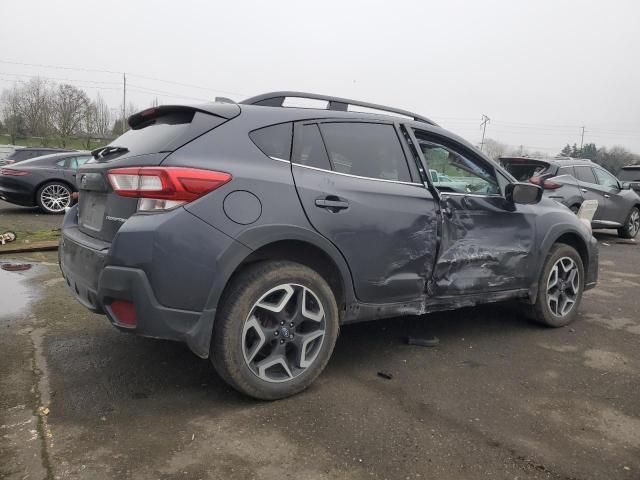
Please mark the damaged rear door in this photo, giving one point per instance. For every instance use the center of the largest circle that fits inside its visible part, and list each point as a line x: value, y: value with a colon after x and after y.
x: 358, y: 190
x: 487, y: 241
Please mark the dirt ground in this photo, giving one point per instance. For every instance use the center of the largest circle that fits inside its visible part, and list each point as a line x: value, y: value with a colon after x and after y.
x: 498, y: 398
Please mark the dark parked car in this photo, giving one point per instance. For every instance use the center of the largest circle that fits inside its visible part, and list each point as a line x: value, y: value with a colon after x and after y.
x: 27, y: 153
x: 252, y: 231
x: 630, y: 174
x: 47, y: 181
x: 570, y: 181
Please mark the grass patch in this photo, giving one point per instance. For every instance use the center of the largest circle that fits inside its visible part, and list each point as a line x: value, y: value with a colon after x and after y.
x: 35, y: 236
x: 72, y: 143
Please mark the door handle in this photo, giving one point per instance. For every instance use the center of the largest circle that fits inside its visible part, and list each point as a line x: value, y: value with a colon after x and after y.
x: 332, y: 204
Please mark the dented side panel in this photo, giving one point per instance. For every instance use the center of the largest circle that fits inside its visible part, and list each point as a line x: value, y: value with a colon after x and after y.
x: 388, y: 233
x: 487, y: 245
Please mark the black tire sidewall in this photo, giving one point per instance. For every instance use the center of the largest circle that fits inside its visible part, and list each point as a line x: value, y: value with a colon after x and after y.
x: 39, y: 200
x: 624, y: 231
x: 226, y: 354
x: 542, y: 312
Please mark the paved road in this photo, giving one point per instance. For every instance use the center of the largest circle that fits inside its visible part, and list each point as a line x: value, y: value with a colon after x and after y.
x: 498, y: 398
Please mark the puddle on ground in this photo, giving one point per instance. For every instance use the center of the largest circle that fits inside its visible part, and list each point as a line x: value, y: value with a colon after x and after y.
x: 15, y: 292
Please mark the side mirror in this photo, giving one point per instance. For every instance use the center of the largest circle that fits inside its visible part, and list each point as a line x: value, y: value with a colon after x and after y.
x: 523, y: 193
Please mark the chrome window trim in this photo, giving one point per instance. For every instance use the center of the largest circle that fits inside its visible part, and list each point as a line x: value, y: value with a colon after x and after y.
x: 279, y: 159
x: 357, y: 176
x: 491, y: 195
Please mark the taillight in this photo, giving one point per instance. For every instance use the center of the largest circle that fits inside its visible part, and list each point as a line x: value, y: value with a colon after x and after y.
x: 12, y: 172
x: 161, y: 188
x: 546, y: 184
x: 124, y: 312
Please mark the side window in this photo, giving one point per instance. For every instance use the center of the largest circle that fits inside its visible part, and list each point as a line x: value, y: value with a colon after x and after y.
x: 310, y: 149
x: 606, y: 179
x: 566, y: 171
x: 62, y: 163
x: 82, y: 160
x: 274, y: 141
x: 370, y: 150
x: 585, y: 174
x: 455, y: 172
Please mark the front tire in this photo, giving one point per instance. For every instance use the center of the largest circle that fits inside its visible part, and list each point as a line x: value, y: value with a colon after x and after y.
x: 632, y: 224
x: 54, y: 197
x: 275, y: 330
x: 560, y: 287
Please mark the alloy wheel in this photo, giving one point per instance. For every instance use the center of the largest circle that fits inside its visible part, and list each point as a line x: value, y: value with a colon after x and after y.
x: 55, y: 197
x: 563, y: 286
x: 634, y: 223
x: 283, y: 333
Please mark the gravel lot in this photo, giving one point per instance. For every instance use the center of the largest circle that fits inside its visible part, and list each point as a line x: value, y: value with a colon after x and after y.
x: 497, y: 398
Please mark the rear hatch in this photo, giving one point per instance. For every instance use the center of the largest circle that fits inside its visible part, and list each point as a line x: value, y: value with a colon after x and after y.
x: 154, y: 135
x: 523, y: 169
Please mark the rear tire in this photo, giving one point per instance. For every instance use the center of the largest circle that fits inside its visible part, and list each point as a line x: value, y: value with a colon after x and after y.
x: 560, y: 287
x: 275, y: 330
x: 54, y: 197
x: 631, y: 225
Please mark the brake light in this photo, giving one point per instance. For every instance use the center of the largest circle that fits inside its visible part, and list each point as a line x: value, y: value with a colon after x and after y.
x: 13, y: 173
x: 546, y: 184
x: 160, y: 188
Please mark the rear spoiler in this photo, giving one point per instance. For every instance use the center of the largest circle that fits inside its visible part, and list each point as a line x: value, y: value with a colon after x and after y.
x: 224, y: 110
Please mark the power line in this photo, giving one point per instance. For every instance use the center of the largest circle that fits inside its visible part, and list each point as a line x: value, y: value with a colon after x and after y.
x: 95, y: 70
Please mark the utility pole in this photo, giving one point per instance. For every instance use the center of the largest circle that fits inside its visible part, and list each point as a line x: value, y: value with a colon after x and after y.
x: 124, y: 101
x: 582, y: 139
x: 483, y: 125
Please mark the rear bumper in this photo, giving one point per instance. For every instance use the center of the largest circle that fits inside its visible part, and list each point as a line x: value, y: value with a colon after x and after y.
x: 160, y: 263
x: 95, y: 285
x: 17, y: 193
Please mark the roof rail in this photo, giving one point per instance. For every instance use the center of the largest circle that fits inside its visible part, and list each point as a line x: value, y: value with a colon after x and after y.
x: 276, y: 99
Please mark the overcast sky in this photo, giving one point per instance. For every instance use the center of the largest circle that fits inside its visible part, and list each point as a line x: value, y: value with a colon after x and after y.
x: 539, y: 69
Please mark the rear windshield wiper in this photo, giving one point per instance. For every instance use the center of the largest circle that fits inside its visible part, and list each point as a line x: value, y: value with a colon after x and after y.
x: 102, y: 152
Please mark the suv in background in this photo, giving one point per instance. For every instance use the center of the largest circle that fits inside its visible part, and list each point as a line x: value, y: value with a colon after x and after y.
x: 630, y: 174
x: 572, y: 180
x: 26, y: 153
x: 252, y: 231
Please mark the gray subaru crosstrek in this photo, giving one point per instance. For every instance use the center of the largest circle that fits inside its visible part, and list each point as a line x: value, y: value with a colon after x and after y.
x: 252, y: 231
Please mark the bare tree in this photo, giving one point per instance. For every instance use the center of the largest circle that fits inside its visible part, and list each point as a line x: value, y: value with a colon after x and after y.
x: 35, y: 107
x: 69, y: 108
x: 13, y: 120
x: 103, y: 117
x: 494, y: 149
x: 89, y: 123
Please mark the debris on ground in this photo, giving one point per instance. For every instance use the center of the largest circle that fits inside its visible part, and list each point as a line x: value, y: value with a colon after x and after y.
x: 15, y: 267
x: 386, y: 375
x: 605, y: 244
x: 7, y: 237
x: 423, y: 342
x: 43, y: 411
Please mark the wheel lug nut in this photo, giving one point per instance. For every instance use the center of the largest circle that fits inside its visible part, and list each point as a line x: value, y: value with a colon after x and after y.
x: 276, y: 333
x: 291, y: 324
x: 282, y: 322
x: 282, y: 340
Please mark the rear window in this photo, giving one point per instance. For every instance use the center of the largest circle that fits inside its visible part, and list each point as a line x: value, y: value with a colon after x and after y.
x: 585, y: 174
x: 524, y: 171
x: 629, y: 174
x: 274, y: 141
x: 310, y: 149
x: 155, y: 135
